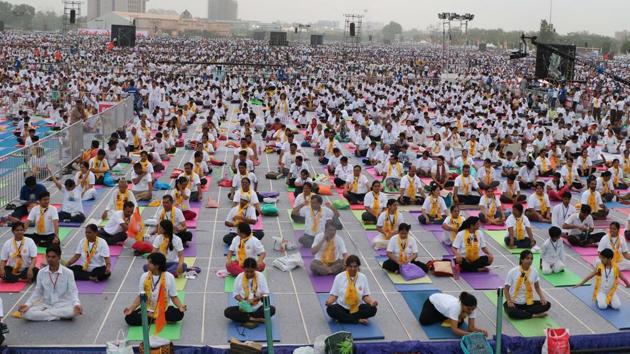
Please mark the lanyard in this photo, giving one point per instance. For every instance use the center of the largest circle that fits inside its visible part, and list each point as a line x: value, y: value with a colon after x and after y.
x: 155, y: 283
x: 54, y: 282
x: 607, y: 273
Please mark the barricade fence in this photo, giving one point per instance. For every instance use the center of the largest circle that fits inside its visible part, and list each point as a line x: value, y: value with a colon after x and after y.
x: 60, y: 149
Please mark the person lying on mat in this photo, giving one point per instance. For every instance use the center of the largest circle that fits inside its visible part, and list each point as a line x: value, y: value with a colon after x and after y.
x: 447, y: 309
x: 169, y: 212
x: 519, y: 289
x: 71, y: 205
x: 45, y: 219
x: 593, y: 198
x: 411, y: 190
x: 86, y: 180
x: 93, y: 256
x: 387, y: 224
x: 616, y: 243
x: 519, y: 229
x: 329, y: 251
x: 244, y: 246
x: 315, y: 216
x: 552, y: 252
x: 374, y: 203
x: 579, y: 228
x: 434, y: 208
x: 490, y: 211
x: 249, y: 288
x: 402, y: 250
x: 538, y: 205
x: 115, y: 230
x: 55, y: 296
x: 181, y: 198
x: 18, y: 256
x: 451, y: 225
x: 247, y: 190
x: 120, y: 198
x: 349, y: 300
x: 463, y: 188
x: 142, y: 188
x: 170, y: 245
x: 607, y: 276
x: 468, y: 245
x: 160, y: 289
x: 356, y: 187
x: 242, y: 213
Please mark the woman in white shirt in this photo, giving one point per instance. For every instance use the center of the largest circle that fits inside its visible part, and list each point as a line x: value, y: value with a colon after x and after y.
x: 387, y: 224
x: 171, y: 246
x: 243, y: 246
x: 468, y: 245
x: 433, y: 208
x: 156, y: 283
x: 519, y: 229
x: 374, y: 203
x: 519, y: 291
x: 349, y: 300
x: 356, y: 186
x: 93, y: 253
x: 249, y: 288
x: 86, y: 180
x: 447, y: 309
x: 18, y: 256
x: 402, y: 250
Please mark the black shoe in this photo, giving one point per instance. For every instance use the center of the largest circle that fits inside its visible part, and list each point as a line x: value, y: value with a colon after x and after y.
x: 4, y: 329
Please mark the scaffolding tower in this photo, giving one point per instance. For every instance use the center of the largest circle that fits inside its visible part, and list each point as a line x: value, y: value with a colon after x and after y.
x: 68, y: 6
x: 357, y: 20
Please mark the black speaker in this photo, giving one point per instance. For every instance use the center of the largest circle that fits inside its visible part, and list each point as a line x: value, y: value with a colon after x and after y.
x: 1, y: 26
x: 317, y: 39
x: 73, y: 16
x: 370, y: 38
x: 352, y: 29
x: 550, y: 65
x: 259, y: 35
x: 296, y: 29
x: 124, y: 36
x: 278, y: 38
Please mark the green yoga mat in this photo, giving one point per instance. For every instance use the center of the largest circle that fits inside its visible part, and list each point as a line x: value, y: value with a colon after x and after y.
x: 181, y: 282
x: 172, y: 331
x: 63, y: 233
x: 296, y: 226
x: 534, y: 327
x: 357, y: 214
x: 499, y: 236
x: 290, y: 189
x: 566, y: 278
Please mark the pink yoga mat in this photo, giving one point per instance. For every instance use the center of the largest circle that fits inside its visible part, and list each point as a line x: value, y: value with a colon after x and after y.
x: 357, y: 207
x: 582, y: 251
x: 115, y: 250
x: 494, y: 227
x: 291, y: 197
x: 90, y: 287
x: 472, y: 212
x: 373, y: 173
x: 259, y: 223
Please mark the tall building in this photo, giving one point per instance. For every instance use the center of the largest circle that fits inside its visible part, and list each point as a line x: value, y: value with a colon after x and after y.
x: 222, y: 10
x: 98, y: 8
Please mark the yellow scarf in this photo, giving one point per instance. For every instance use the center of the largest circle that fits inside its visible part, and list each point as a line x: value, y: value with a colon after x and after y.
x: 389, y: 225
x: 331, y: 144
x: 615, y: 246
x: 83, y: 180
x: 148, y: 289
x: 605, y: 187
x: 377, y: 204
x: 241, y: 210
x: 136, y: 141
x: 492, y: 209
x: 163, y: 215
x: 17, y: 255
x: 554, y: 161
x: 120, y: 200
x: 626, y: 165
x: 352, y: 295
x: 145, y: 165
x: 543, y: 163
x: 435, y: 207
x: 465, y: 185
x: 179, y: 199
x: 488, y: 176
x: 355, y: 185
x: 398, y: 169
x: 592, y: 202
x: 570, y: 175
x: 240, y: 253
x: 472, y: 246
x: 329, y: 256
x: 41, y: 222
x: 510, y: 189
x: 543, y: 204
x: 246, y: 288
x: 519, y: 229
x: 411, y: 190
x: 89, y: 253
x: 459, y: 124
x: 601, y: 271
x: 197, y: 168
x: 455, y: 224
x: 316, y: 218
x: 164, y: 245
x: 615, y: 176
x: 524, y: 278
x: 473, y: 145
x: 584, y: 166
x: 402, y: 246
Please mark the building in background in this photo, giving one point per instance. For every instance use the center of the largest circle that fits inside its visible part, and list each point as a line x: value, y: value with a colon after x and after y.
x: 98, y: 8
x: 155, y: 23
x: 222, y: 10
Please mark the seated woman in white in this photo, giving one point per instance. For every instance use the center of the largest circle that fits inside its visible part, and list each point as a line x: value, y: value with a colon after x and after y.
x: 402, y: 250
x: 519, y: 289
x: 387, y: 224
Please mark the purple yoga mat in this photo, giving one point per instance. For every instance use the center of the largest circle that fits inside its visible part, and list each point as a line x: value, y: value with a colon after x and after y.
x: 432, y: 227
x: 90, y: 287
x: 439, y: 235
x: 321, y: 284
x: 415, y: 212
x: 370, y: 236
x: 191, y: 250
x: 482, y: 280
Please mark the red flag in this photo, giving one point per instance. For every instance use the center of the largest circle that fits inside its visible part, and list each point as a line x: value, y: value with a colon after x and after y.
x: 160, y: 307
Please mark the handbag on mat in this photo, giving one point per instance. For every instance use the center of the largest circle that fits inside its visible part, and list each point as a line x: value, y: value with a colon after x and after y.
x: 556, y: 341
x: 119, y: 346
x: 411, y: 271
x: 441, y: 268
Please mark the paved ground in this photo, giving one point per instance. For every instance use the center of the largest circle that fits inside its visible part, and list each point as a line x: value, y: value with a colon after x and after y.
x: 299, y: 315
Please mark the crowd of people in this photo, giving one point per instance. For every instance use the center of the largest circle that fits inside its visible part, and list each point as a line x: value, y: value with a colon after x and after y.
x: 390, y: 126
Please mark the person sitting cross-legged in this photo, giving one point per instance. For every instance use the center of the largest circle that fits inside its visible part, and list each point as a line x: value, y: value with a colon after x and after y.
x: 329, y: 251
x: 519, y: 291
x: 402, y: 250
x: 249, y: 288
x: 18, y: 255
x: 93, y: 256
x: 244, y: 246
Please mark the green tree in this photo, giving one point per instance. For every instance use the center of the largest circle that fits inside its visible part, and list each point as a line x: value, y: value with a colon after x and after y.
x: 391, y: 30
x: 625, y: 47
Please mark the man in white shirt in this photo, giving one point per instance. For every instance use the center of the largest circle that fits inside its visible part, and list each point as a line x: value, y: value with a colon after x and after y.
x: 561, y: 212
x: 579, y: 228
x: 93, y: 256
x: 463, y: 188
x: 55, y: 296
x: 115, y: 231
x: 45, y: 220
x: 142, y: 183
x: 357, y: 186
x: 329, y: 251
x: 120, y: 198
x: 616, y: 243
x: 315, y: 217
x: 168, y: 211
x: 244, y: 212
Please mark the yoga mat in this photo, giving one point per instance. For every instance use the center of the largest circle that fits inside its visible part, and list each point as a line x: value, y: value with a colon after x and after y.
x: 433, y: 227
x: 228, y: 285
x: 357, y: 214
x: 21, y: 284
x: 582, y: 251
x: 373, y: 173
x: 259, y: 223
x: 257, y: 334
x: 295, y: 225
x: 290, y: 189
x: 359, y: 331
x: 611, y: 205
x: 540, y: 225
x: 494, y: 227
x: 482, y: 280
x: 291, y: 197
x: 90, y: 287
x: 415, y: 300
x: 533, y: 327
x: 415, y: 287
x: 172, y: 331
x: 87, y: 210
x: 191, y: 250
x: 371, y: 235
x: 115, y: 250
x: 397, y: 279
x: 625, y: 211
x: 63, y: 233
x: 566, y: 278
x: 618, y: 318
x: 321, y: 284
x: 499, y: 237
x: 181, y: 282
x: 472, y: 212
x: 192, y: 224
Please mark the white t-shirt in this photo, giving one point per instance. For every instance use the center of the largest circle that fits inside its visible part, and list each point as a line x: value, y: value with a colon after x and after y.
x: 326, y: 214
x: 261, y: 289
x: 511, y: 222
x: 171, y: 288
x: 171, y: 255
x: 27, y: 247
x: 607, y: 243
x: 560, y: 213
x: 340, y: 246
x: 72, y: 203
x: 253, y: 200
x: 426, y: 206
x: 253, y: 246
x: 368, y: 201
x: 574, y: 219
x: 534, y: 203
x: 341, y: 284
x: 469, y: 182
x: 143, y: 185
x: 399, y: 218
x: 410, y: 249
x: 250, y: 213
x: 361, y: 183
x: 98, y: 260
x: 459, y: 242
x: 512, y: 278
x: 50, y: 215
x: 179, y: 216
x: 405, y: 182
x: 448, y: 305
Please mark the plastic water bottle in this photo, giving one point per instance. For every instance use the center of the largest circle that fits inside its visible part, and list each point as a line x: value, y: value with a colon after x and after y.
x: 259, y: 150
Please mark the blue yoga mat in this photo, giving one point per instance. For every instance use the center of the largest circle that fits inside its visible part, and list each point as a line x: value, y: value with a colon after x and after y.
x: 10, y: 142
x: 611, y: 205
x: 618, y: 318
x: 88, y: 205
x: 359, y: 331
x: 257, y: 334
x: 415, y: 300
x: 540, y: 225
x: 415, y: 287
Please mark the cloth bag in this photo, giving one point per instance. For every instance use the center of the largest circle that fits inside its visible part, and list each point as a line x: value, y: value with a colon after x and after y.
x: 119, y: 346
x: 341, y: 204
x: 287, y: 263
x: 441, y: 268
x: 411, y: 271
x: 556, y: 341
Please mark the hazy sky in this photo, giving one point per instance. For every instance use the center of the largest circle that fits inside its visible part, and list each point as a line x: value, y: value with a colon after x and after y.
x: 598, y: 16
